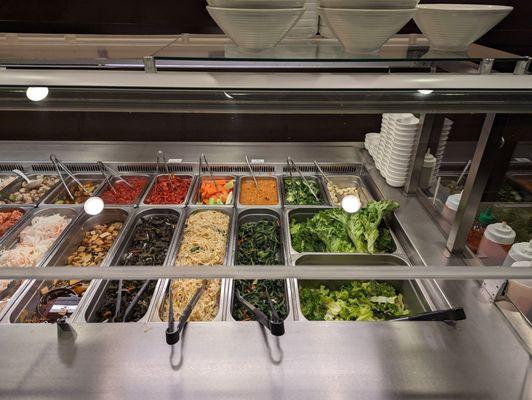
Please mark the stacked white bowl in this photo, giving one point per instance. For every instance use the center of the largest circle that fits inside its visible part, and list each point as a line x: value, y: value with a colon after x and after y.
x: 363, y: 26
x: 440, y: 149
x: 256, y: 25
x: 324, y: 29
x: 307, y: 26
x: 395, y: 147
x: 371, y: 143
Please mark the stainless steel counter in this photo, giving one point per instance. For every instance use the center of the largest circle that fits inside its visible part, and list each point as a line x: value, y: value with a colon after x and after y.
x: 479, y: 358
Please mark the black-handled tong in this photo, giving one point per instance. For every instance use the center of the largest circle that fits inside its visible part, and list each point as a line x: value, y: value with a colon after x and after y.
x: 451, y: 314
x: 173, y: 334
x: 275, y: 326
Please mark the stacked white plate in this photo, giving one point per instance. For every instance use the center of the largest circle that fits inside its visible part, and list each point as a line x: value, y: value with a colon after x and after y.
x: 440, y: 149
x: 324, y: 29
x: 363, y: 26
x: 256, y: 25
x: 307, y: 26
x: 395, y: 147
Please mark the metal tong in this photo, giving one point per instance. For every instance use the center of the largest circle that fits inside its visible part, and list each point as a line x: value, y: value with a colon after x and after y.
x: 305, y: 181
x: 58, y: 165
x: 162, y: 159
x: 275, y: 326
x: 451, y: 314
x: 252, y: 173
x: 173, y: 334
x: 104, y: 169
x: 203, y: 159
x: 321, y: 172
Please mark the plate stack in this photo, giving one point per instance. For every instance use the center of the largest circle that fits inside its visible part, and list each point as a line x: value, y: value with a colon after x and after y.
x: 440, y: 149
x: 307, y: 26
x: 363, y: 26
x: 256, y: 25
x: 395, y: 147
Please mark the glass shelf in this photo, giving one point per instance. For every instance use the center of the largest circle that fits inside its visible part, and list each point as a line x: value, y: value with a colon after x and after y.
x: 400, y: 48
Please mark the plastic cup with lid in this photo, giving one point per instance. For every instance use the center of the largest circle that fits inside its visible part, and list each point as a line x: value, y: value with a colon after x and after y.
x: 495, y: 243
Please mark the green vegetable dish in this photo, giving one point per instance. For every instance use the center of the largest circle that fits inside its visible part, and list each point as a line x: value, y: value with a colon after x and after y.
x: 297, y: 192
x: 353, y: 301
x: 259, y: 243
x: 336, y: 231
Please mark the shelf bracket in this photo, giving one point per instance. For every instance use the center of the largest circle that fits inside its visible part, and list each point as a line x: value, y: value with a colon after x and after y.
x: 149, y: 64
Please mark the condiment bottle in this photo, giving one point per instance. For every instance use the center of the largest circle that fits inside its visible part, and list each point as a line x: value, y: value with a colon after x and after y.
x: 495, y: 243
x: 520, y: 291
x: 477, y: 231
x: 429, y: 163
x: 451, y: 205
x: 519, y: 252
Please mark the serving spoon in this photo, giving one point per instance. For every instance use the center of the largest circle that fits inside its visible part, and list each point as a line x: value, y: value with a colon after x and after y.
x: 30, y: 184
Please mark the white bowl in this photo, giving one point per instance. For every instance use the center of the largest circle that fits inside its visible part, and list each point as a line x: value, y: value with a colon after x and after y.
x: 395, y: 182
x: 365, y: 31
x: 302, y: 32
x: 255, y: 29
x: 453, y: 27
x: 369, y: 4
x: 262, y: 4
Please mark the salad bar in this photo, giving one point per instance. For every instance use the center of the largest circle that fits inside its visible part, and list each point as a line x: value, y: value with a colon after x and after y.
x: 190, y: 217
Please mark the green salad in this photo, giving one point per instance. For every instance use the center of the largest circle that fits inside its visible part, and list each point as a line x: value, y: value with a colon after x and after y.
x: 297, y: 192
x: 336, y: 231
x: 353, y: 301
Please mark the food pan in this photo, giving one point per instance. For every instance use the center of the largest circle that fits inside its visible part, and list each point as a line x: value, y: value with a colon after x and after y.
x: 17, y: 184
x: 321, y: 195
x: 105, y: 187
x: 88, y: 314
x: 152, y: 185
x: 253, y: 215
x: 7, y: 175
x: 60, y: 191
x: 343, y: 181
x: 86, y: 223
x: 30, y: 299
x: 162, y: 289
x: 195, y: 196
x: 10, y: 295
x: 412, y: 293
x: 26, y: 211
x: 259, y: 178
x: 305, y: 213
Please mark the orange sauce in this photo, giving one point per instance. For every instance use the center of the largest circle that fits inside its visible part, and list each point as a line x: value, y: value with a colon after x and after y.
x: 265, y: 196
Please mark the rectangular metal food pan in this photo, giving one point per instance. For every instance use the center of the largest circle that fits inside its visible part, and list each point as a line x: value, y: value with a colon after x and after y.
x: 17, y: 184
x: 193, y: 201
x: 321, y: 195
x: 60, y: 191
x: 344, y: 181
x: 26, y: 211
x: 88, y: 312
x: 30, y: 300
x: 162, y: 286
x: 7, y: 175
x: 305, y: 213
x: 16, y: 288
x: 254, y: 215
x: 13, y: 238
x: 105, y: 187
x: 259, y: 178
x: 411, y: 290
x: 154, y: 181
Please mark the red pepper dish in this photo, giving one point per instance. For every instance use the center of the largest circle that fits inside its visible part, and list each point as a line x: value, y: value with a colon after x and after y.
x: 124, y: 194
x: 169, y: 190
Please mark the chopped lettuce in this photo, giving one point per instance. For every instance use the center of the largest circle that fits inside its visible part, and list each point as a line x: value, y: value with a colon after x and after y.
x: 353, y: 301
x: 336, y: 231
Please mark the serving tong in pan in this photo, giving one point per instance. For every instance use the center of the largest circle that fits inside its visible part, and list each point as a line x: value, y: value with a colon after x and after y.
x: 451, y: 314
x: 252, y: 173
x: 321, y: 172
x: 60, y: 165
x: 275, y: 325
x: 203, y: 159
x: 105, y: 169
x: 173, y: 333
x: 161, y: 159
x: 291, y: 164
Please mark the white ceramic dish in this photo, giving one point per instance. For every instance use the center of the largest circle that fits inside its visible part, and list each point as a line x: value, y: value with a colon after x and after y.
x: 365, y: 31
x: 262, y: 4
x: 255, y: 29
x: 395, y: 182
x: 304, y: 32
x: 369, y: 4
x: 453, y: 27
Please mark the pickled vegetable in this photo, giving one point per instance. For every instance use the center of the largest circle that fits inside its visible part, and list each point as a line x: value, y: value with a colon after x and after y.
x: 218, y: 191
x: 33, y: 195
x: 169, y: 190
x: 123, y: 194
x: 95, y: 245
x: 8, y: 219
x: 79, y: 194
